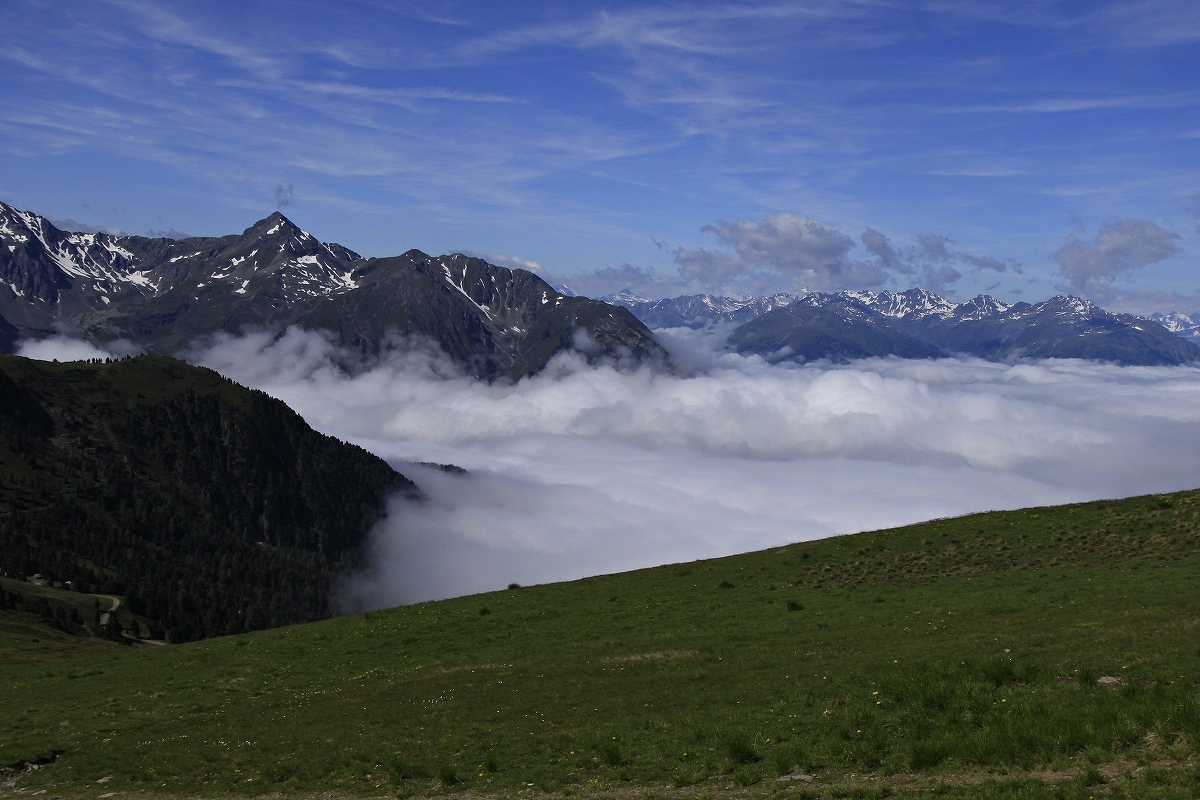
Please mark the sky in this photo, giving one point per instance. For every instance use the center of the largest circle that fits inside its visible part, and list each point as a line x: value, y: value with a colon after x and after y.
x: 586, y: 469
x: 1022, y: 149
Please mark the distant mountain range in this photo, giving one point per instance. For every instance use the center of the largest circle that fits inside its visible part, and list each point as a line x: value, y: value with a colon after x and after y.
x: 920, y: 324
x: 162, y: 293
x: 698, y: 310
x: 1185, y: 325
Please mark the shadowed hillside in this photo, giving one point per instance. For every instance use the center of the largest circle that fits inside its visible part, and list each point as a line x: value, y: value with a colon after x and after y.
x: 211, y: 509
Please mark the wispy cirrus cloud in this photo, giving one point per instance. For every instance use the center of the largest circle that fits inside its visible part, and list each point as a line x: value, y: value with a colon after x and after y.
x: 1066, y: 105
x: 471, y: 127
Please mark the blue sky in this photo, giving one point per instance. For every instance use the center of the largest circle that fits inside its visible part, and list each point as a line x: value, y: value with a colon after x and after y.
x: 1019, y: 148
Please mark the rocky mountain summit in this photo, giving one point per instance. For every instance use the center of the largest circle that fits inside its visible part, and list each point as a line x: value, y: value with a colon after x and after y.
x: 162, y: 293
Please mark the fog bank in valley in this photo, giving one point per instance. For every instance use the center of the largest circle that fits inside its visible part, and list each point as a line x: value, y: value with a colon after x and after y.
x: 586, y: 469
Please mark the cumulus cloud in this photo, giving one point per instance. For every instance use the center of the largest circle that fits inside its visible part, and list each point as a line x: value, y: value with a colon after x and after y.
x: 878, y: 245
x: 585, y: 469
x: 931, y: 260
x: 1122, y: 247
x: 789, y: 252
x: 935, y: 248
x: 804, y: 252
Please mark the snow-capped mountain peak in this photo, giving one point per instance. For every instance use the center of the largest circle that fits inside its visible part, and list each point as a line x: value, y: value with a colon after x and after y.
x: 915, y: 303
x: 981, y: 307
x: 624, y: 297
x: 699, y: 310
x: 1068, y: 306
x: 97, y: 263
x: 1180, y: 324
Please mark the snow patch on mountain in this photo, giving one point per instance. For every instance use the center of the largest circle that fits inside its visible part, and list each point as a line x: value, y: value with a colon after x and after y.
x: 701, y: 310
x: 1185, y: 325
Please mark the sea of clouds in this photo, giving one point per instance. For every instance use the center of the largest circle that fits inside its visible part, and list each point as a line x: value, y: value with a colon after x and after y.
x: 590, y: 469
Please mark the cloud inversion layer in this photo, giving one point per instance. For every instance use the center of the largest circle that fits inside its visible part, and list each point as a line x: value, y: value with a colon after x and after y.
x: 582, y: 470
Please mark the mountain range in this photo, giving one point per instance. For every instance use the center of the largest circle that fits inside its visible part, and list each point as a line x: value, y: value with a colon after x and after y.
x: 1185, y: 325
x: 920, y: 324
x: 698, y: 310
x: 162, y: 293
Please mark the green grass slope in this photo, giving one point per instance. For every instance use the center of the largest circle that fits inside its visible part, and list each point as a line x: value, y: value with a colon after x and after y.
x: 1043, y: 653
x: 212, y: 509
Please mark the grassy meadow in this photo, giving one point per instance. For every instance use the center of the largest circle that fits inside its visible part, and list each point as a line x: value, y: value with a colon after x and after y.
x: 1051, y: 652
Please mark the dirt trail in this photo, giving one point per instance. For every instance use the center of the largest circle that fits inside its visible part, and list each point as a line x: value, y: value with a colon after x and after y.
x: 116, y: 603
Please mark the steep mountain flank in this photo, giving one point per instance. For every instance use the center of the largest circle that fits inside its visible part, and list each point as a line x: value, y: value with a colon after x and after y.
x: 210, y: 508
x: 494, y: 320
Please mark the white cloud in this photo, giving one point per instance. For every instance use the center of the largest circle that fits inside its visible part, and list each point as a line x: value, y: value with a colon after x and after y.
x: 583, y: 470
x: 805, y: 253
x: 1122, y: 247
x: 788, y: 251
x: 68, y: 348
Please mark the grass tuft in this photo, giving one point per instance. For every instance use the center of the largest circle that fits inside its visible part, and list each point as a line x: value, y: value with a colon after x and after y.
x: 610, y: 753
x: 448, y: 775
x: 741, y: 749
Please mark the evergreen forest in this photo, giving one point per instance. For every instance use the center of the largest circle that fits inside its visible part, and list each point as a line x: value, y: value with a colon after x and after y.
x: 209, y: 508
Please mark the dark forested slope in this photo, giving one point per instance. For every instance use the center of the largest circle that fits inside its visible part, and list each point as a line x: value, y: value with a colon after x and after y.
x: 210, y: 508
